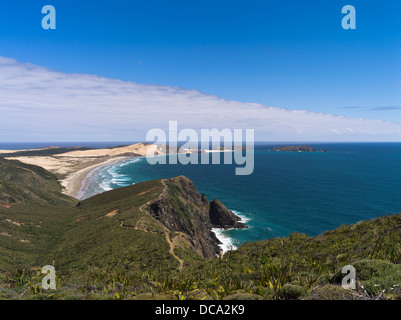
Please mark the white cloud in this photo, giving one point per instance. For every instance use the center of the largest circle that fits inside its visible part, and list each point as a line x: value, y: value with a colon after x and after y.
x: 39, y: 104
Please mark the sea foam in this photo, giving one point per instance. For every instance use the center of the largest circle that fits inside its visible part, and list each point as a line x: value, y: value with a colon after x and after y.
x: 227, y: 243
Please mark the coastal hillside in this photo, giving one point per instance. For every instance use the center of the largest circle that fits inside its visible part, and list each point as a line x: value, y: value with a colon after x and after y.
x: 33, y: 212
x: 155, y: 224
x: 160, y: 223
x: 153, y: 240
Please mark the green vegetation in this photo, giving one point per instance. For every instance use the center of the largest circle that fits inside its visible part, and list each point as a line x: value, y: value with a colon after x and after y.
x: 134, y: 243
x: 291, y: 292
x: 43, y: 152
x: 32, y: 216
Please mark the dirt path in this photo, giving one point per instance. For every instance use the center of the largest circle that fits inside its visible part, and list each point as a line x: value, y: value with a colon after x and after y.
x: 165, y: 230
x: 172, y: 247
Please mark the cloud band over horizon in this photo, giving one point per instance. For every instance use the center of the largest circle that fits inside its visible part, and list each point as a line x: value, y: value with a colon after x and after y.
x: 39, y: 104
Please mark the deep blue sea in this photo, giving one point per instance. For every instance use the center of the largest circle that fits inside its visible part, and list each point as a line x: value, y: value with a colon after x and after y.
x: 288, y: 191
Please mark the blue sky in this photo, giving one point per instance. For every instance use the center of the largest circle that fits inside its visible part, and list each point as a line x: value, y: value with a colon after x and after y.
x: 286, y: 54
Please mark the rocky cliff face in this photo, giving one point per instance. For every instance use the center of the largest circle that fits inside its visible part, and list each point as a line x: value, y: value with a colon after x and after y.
x: 181, y: 208
x: 153, y: 224
x: 221, y: 217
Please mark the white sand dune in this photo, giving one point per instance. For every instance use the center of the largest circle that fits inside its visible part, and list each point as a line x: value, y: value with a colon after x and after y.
x: 139, y: 149
x: 73, y: 167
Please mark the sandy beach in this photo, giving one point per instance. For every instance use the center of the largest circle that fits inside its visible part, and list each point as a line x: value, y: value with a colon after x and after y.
x: 76, y: 182
x: 74, y: 168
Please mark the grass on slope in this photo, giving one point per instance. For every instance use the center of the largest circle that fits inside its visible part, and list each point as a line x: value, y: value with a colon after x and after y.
x: 32, y: 214
x: 296, y: 267
x: 112, y: 230
x: 108, y: 248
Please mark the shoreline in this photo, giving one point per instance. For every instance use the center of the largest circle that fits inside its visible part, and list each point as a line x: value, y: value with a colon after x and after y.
x: 76, y: 183
x: 229, y: 243
x: 76, y: 171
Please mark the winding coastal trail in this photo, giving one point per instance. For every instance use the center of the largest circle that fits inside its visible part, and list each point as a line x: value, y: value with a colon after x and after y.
x: 165, y: 230
x: 167, y: 234
x: 172, y: 247
x: 74, y: 169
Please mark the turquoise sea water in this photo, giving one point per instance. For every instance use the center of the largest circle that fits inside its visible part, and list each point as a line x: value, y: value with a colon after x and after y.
x: 287, y: 192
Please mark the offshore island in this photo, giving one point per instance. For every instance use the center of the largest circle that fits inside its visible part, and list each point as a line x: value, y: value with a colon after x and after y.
x: 301, y: 148
x: 154, y: 240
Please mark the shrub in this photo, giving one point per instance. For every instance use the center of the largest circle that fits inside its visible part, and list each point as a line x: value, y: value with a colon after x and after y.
x: 378, y: 275
x: 369, y: 269
x: 243, y: 296
x: 291, y: 292
x: 330, y: 292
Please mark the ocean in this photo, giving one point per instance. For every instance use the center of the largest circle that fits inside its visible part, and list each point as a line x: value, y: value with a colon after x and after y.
x: 306, y: 192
